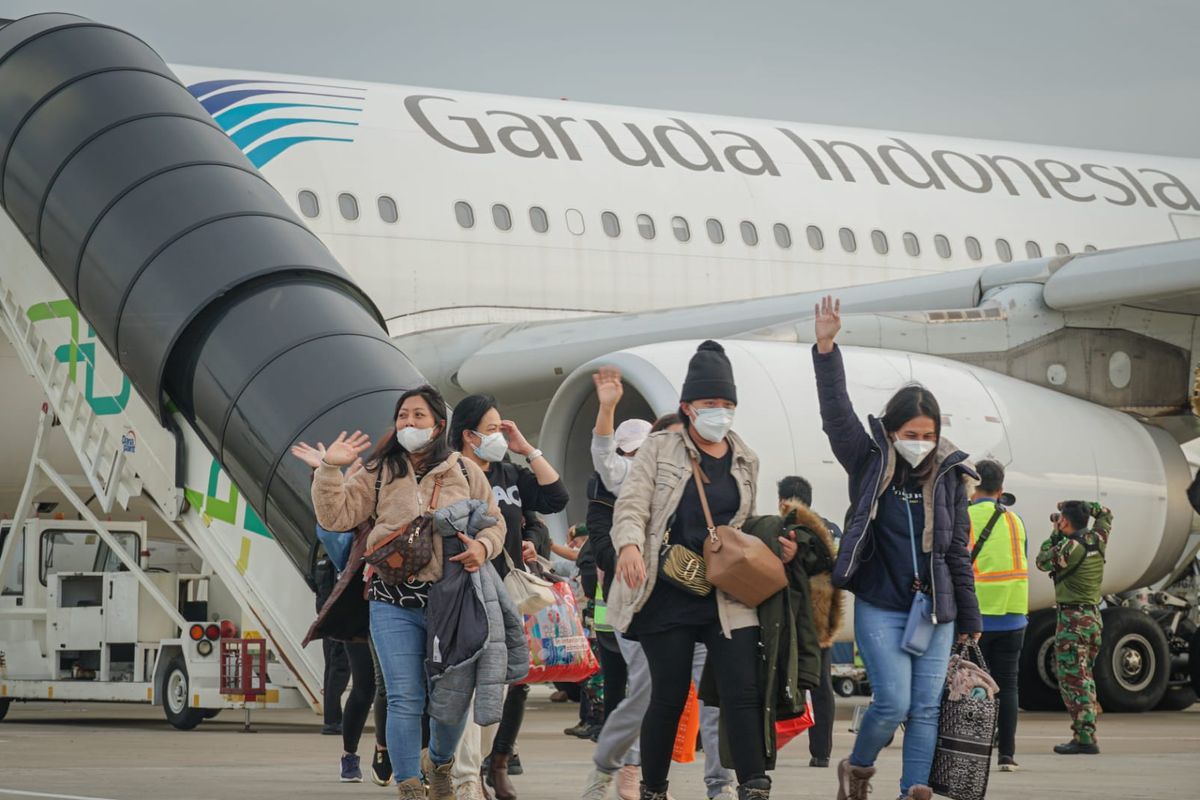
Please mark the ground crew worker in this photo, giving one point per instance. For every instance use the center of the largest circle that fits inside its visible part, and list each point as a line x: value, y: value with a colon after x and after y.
x: 1074, y: 557
x: 998, y: 550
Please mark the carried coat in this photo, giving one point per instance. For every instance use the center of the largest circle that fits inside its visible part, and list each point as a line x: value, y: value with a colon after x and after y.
x: 815, y: 553
x: 870, y: 461
x: 649, y: 496
x: 791, y: 657
x: 502, y: 656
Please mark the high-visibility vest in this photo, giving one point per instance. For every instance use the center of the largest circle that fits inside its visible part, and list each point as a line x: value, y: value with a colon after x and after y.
x: 1001, y: 569
x: 600, y: 611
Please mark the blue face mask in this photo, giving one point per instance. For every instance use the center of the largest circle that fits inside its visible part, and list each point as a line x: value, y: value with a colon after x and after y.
x: 713, y: 424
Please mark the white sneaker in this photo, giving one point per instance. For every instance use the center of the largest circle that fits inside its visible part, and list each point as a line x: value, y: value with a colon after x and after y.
x: 629, y: 781
x: 469, y: 790
x: 727, y: 793
x: 597, y: 786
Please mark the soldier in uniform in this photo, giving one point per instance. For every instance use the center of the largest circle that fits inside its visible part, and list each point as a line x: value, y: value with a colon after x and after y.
x: 1074, y: 557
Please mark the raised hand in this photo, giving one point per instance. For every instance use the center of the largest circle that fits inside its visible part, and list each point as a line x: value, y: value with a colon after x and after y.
x: 828, y: 322
x: 609, y: 388
x: 516, y: 440
x: 345, y: 449
x: 308, y: 454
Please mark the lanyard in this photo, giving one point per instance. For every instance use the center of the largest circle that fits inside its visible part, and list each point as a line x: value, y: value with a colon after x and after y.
x: 912, y: 537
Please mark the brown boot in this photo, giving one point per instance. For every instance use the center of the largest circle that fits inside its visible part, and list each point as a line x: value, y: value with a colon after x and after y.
x: 497, y: 777
x: 411, y: 789
x: 854, y: 783
x: 438, y: 777
x: 919, y: 791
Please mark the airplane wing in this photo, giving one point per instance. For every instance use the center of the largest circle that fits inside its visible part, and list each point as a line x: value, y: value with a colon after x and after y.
x: 1120, y: 328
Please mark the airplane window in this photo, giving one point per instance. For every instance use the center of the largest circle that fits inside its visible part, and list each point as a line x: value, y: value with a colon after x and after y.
x: 348, y: 206
x: 1033, y: 249
x: 387, y: 209
x: 942, y: 245
x: 501, y: 217
x: 464, y: 214
x: 749, y: 233
x: 538, y: 219
x: 716, y: 231
x: 879, y: 242
x: 1061, y: 249
x: 849, y: 244
x: 783, y: 237
x: 911, y: 245
x: 575, y: 221
x: 610, y: 223
x: 309, y: 206
x: 973, y: 248
x: 1089, y: 248
x: 645, y: 226
x: 1003, y: 250
x: 816, y: 240
x: 680, y: 227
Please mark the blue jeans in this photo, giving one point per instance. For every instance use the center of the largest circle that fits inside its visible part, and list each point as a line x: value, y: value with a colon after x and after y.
x: 399, y: 638
x: 906, y: 689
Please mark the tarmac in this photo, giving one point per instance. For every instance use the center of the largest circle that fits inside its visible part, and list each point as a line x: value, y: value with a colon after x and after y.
x: 121, y: 752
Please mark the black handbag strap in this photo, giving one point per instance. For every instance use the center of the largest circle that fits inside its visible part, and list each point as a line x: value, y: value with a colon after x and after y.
x: 987, y: 531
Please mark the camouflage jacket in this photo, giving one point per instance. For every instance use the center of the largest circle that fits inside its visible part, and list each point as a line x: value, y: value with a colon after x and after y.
x: 1076, y: 562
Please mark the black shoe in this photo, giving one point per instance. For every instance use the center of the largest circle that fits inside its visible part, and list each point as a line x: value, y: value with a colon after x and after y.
x: 757, y: 789
x: 1077, y: 748
x: 823, y: 763
x: 593, y: 732
x: 514, y: 765
x: 381, y: 768
x: 331, y: 730
x: 580, y: 731
x: 1007, y: 764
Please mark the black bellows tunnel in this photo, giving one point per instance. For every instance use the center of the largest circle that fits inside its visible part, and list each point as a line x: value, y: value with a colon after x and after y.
x: 195, y: 274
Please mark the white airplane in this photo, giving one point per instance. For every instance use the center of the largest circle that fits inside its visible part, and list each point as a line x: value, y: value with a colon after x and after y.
x: 1049, y: 296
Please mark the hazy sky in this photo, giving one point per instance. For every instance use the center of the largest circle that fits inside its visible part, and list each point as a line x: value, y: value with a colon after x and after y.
x: 1090, y: 73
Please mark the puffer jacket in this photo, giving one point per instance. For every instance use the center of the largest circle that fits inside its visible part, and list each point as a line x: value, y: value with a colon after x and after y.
x: 502, y: 660
x: 343, y: 503
x: 870, y: 461
x: 649, y: 496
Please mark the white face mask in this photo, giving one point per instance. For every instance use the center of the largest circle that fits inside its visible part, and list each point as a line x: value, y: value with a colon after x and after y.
x: 914, y: 452
x: 492, y: 447
x: 713, y: 424
x: 414, y: 439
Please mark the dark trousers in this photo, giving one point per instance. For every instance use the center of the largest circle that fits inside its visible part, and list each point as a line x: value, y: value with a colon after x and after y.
x: 362, y: 694
x: 505, y: 741
x: 337, y: 678
x: 380, y: 703
x: 1002, y: 651
x: 736, y: 667
x: 616, y: 674
x: 820, y: 735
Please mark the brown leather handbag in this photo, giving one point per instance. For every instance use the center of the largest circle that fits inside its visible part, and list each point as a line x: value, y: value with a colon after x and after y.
x: 400, y: 555
x: 737, y: 563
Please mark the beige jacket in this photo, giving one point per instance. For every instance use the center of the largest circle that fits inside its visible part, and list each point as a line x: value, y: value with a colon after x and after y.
x: 343, y: 503
x: 649, y: 496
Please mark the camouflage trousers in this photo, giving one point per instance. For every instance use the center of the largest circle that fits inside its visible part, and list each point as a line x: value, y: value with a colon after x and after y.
x: 1076, y: 643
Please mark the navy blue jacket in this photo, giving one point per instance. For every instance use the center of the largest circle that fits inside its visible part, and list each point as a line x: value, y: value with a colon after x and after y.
x: 870, y: 460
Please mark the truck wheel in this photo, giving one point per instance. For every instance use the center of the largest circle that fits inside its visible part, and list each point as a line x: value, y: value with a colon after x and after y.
x: 1038, y: 679
x: 1134, y: 664
x: 210, y: 713
x: 4, y: 704
x: 1177, y: 698
x: 175, y: 694
x: 844, y: 686
x: 1194, y: 661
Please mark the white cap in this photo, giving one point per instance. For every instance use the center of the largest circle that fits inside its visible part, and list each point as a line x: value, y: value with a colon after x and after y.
x: 631, y: 434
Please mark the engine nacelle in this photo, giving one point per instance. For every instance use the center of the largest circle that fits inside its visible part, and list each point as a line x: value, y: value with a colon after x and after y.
x: 1054, y: 447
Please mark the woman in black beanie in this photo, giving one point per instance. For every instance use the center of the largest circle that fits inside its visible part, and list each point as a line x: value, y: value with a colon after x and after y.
x: 660, y: 495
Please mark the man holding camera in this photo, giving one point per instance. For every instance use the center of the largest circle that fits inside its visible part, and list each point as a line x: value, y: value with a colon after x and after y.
x: 1074, y: 557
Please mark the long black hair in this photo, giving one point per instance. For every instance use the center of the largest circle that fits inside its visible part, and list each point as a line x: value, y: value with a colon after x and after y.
x: 467, y: 416
x: 389, y: 453
x: 907, y: 404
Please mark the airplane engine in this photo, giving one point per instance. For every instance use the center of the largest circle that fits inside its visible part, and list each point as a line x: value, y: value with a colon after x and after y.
x: 1054, y: 447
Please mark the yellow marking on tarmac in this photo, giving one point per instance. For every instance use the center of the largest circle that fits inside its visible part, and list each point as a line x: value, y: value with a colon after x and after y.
x: 243, y: 562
